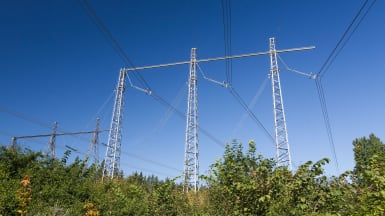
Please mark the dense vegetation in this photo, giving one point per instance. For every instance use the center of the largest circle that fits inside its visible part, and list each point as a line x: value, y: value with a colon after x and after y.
x: 240, y: 183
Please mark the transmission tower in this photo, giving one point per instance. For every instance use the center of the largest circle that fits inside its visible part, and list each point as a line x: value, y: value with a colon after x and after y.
x: 191, y: 165
x: 52, y: 140
x: 112, y: 158
x: 281, y: 138
x: 93, y: 148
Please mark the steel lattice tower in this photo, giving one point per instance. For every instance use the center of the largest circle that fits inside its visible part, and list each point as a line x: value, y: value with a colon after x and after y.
x: 281, y: 138
x: 112, y: 158
x: 93, y: 148
x: 191, y: 164
x: 52, y: 140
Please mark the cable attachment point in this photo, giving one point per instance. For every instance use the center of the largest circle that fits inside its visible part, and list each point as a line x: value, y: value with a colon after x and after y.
x: 308, y: 75
x: 223, y: 83
x: 147, y: 91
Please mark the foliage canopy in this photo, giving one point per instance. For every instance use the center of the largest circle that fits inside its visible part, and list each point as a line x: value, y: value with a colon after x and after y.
x: 242, y: 182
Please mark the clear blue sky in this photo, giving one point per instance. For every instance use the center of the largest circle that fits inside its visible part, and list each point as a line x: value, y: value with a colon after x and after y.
x: 56, y: 65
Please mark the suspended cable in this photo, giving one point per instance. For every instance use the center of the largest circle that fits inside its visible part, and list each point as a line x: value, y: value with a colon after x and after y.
x: 166, y: 116
x: 325, y: 115
x: 223, y: 83
x: 183, y: 116
x: 90, y: 11
x: 148, y: 160
x: 218, y: 58
x: 348, y: 38
x: 3, y: 133
x: 152, y: 162
x: 324, y: 68
x: 36, y: 121
x: 7, y: 134
x: 251, y: 104
x: 25, y: 117
x: 103, y: 106
x: 226, y: 21
x: 250, y: 113
x: 75, y: 150
x: 176, y: 101
x: 308, y: 75
x: 147, y: 91
x: 230, y: 81
x: 335, y: 51
x: 238, y: 98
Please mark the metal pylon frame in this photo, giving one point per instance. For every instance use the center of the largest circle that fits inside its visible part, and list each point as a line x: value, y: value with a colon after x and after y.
x: 52, y: 140
x: 94, y: 148
x: 283, y: 156
x: 112, y: 158
x: 191, y: 163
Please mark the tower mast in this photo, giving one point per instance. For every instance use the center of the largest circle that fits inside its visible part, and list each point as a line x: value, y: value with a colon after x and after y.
x: 191, y: 164
x: 52, y: 140
x: 112, y: 158
x: 283, y: 157
x: 93, y: 148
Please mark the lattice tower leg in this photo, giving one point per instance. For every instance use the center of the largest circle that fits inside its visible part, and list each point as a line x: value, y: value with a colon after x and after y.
x: 113, y: 151
x: 52, y: 140
x: 93, y: 148
x: 191, y: 164
x: 281, y: 137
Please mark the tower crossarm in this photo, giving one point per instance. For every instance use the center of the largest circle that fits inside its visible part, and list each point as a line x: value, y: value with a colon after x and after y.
x: 218, y: 58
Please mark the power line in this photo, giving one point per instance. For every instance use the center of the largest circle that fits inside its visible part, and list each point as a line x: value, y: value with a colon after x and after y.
x: 114, y: 43
x: 33, y: 120
x: 183, y: 116
x: 90, y: 11
x: 218, y: 58
x: 101, y: 108
x: 252, y: 103
x: 148, y: 160
x: 58, y: 134
x: 42, y: 124
x: 340, y: 45
x: 122, y: 54
x: 237, y: 97
x: 165, y: 117
x: 232, y: 90
x: 250, y: 113
x: 25, y: 117
x: 348, y: 38
x: 152, y: 162
x: 308, y: 75
x: 321, y: 96
x: 348, y: 33
x: 226, y: 21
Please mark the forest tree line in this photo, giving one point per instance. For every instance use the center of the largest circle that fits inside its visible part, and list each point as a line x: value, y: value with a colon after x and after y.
x: 241, y: 182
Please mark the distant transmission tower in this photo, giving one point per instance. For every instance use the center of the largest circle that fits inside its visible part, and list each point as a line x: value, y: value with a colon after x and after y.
x: 112, y: 158
x: 191, y: 164
x: 52, y: 140
x: 93, y: 148
x: 281, y: 138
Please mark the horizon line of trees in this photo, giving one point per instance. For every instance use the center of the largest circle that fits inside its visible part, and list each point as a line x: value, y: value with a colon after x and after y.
x: 241, y: 182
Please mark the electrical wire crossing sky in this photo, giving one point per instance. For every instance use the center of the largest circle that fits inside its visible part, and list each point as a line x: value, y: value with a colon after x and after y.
x: 60, y: 62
